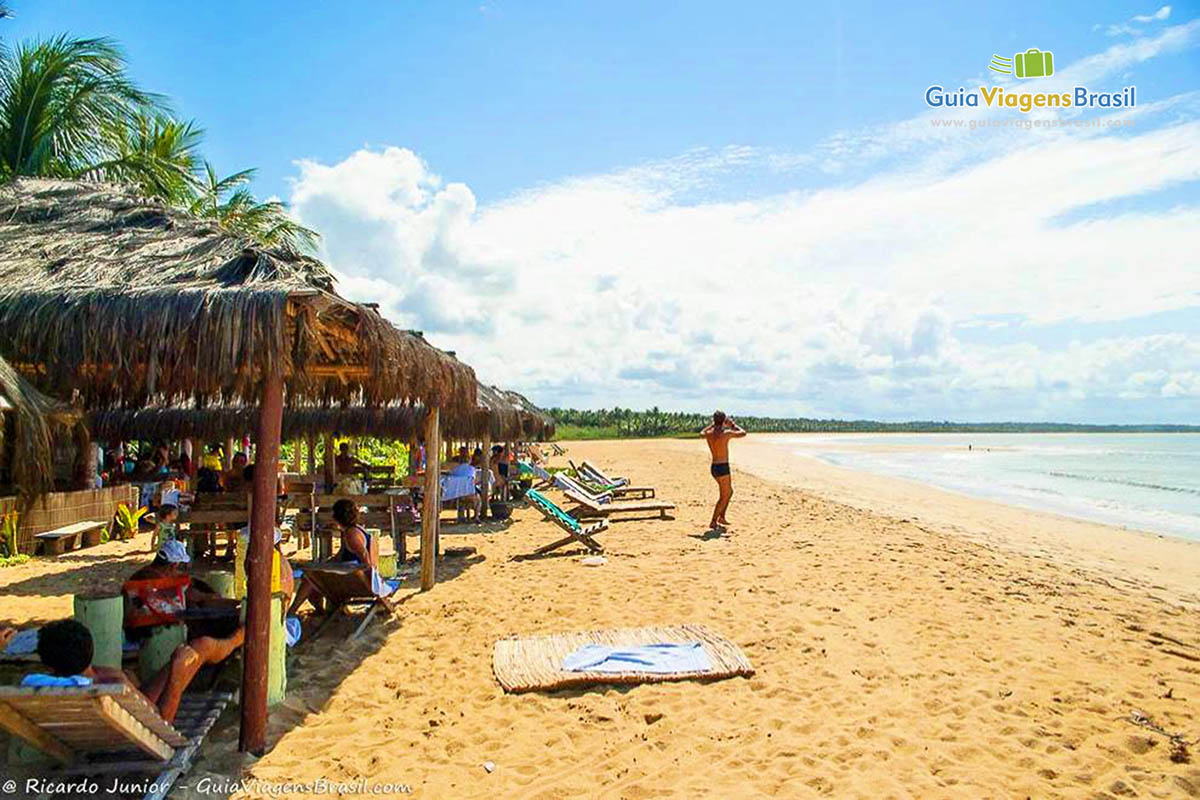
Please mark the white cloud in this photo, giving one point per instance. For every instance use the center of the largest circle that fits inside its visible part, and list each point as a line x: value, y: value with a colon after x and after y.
x: 632, y: 288
x: 1131, y: 28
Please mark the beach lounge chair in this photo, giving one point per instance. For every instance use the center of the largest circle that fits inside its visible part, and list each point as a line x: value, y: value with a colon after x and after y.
x: 587, y: 508
x: 576, y: 532
x: 343, y: 586
x: 544, y: 478
x: 606, y: 495
x: 111, y: 729
x: 594, y: 473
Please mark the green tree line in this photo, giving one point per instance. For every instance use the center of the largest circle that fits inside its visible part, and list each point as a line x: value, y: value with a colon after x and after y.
x: 625, y: 422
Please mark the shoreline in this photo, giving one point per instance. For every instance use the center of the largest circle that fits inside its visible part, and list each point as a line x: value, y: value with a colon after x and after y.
x: 1161, y: 561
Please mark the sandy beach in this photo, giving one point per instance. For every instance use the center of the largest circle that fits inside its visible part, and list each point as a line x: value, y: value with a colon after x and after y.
x: 908, y: 642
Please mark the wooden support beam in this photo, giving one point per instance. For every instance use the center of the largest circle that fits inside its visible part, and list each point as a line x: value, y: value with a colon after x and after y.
x: 259, y: 557
x: 485, y: 510
x: 312, y: 455
x: 433, y: 502
x: 330, y: 464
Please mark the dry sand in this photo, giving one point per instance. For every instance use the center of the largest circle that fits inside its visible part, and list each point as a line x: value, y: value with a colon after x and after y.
x: 908, y: 643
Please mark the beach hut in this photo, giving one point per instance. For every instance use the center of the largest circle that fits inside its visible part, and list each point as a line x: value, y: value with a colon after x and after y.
x: 113, y: 300
x: 30, y: 425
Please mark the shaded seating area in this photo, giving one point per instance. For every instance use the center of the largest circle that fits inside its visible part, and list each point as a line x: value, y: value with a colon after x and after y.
x: 123, y: 303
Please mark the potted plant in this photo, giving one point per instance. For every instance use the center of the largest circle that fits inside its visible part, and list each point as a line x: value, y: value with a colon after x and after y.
x: 127, y: 520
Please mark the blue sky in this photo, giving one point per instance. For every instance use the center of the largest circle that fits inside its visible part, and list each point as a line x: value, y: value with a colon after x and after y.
x: 698, y: 203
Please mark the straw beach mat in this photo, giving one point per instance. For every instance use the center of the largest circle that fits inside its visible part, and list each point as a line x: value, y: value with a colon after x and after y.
x: 535, y: 663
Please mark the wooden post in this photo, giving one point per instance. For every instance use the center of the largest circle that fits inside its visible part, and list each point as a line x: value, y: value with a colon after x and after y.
x: 257, y: 650
x: 297, y: 462
x: 330, y: 464
x: 485, y: 510
x: 229, y: 453
x: 312, y: 455
x: 433, y: 502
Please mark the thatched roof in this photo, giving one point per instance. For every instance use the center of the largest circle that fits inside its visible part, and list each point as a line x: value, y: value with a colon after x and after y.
x: 123, y: 302
x: 36, y: 421
x: 537, y: 423
x: 496, y: 414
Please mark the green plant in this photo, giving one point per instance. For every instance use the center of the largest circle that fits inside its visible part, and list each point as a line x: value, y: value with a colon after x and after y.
x: 127, y: 520
x: 8, y: 535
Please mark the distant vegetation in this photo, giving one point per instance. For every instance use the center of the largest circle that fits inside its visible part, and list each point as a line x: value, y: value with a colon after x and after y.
x: 618, y: 423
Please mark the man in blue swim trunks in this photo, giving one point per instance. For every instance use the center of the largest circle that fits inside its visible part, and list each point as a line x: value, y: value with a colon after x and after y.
x: 717, y: 436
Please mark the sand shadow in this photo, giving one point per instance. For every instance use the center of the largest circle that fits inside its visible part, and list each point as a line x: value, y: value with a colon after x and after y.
x: 708, y: 535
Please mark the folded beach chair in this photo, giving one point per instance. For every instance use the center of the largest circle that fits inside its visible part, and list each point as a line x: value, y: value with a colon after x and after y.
x: 558, y: 451
x: 605, y: 495
x: 346, y: 585
x: 576, y: 532
x: 587, y: 508
x: 594, y: 473
x: 110, y: 730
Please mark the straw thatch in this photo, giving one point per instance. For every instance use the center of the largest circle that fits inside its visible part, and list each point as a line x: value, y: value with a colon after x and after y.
x: 537, y: 423
x: 495, y: 415
x: 125, y: 302
x: 35, y: 421
x: 398, y: 422
x: 535, y: 663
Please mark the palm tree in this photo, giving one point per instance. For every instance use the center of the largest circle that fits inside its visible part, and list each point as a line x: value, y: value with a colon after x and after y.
x: 157, y: 154
x: 231, y: 205
x: 60, y: 101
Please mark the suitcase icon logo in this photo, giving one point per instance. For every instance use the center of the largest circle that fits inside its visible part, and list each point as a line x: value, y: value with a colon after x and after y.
x: 1033, y: 63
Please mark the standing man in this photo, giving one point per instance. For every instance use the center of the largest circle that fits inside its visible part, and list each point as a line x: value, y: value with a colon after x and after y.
x: 717, y: 436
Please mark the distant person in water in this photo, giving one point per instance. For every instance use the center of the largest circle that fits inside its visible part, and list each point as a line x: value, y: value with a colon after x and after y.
x: 717, y: 436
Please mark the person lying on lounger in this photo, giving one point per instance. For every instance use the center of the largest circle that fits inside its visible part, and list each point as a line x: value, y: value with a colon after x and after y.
x: 66, y: 649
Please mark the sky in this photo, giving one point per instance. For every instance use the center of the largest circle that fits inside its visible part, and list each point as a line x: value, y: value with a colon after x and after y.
x: 749, y: 206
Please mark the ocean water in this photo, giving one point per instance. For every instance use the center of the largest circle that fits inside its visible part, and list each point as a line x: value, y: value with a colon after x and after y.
x: 1145, y: 481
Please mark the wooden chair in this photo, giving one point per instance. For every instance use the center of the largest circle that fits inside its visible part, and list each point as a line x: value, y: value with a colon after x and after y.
x: 590, y: 471
x: 587, y: 508
x: 110, y: 729
x: 565, y: 482
x: 576, y: 532
x: 343, y: 586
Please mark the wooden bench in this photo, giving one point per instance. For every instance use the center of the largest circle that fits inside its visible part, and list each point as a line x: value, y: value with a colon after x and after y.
x: 71, y: 537
x: 213, y: 516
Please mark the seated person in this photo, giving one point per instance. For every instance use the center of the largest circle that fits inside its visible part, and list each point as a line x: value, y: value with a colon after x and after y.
x: 234, y: 479
x: 463, y: 471
x: 499, y: 464
x: 286, y: 578
x: 345, y: 463
x: 66, y: 648
x: 357, y: 547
